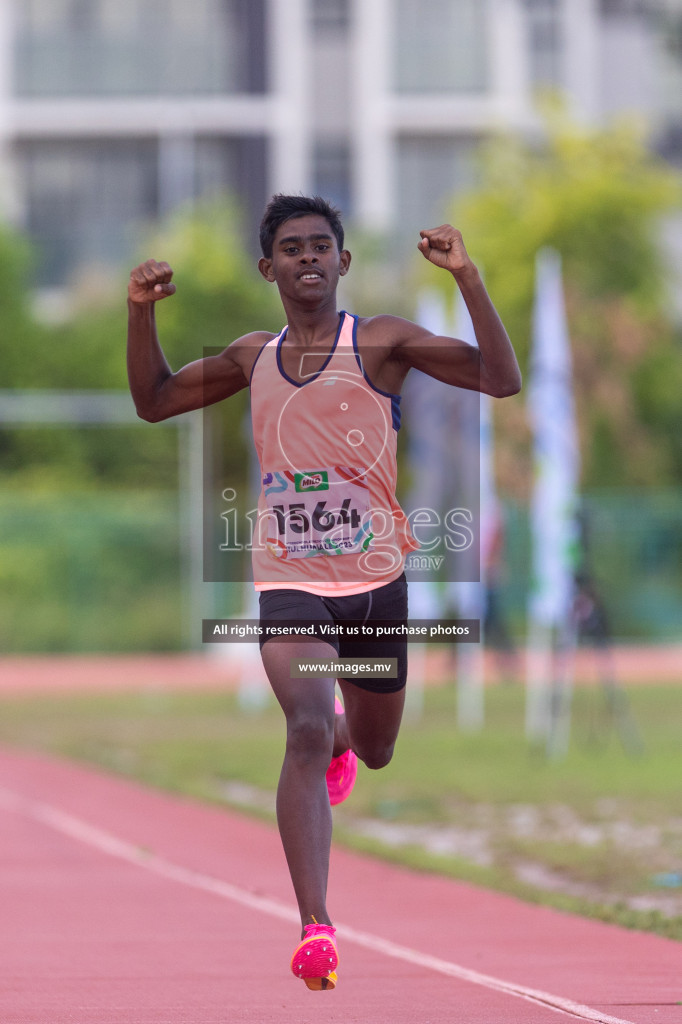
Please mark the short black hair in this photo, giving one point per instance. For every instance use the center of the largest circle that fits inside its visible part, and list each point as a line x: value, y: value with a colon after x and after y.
x: 282, y: 208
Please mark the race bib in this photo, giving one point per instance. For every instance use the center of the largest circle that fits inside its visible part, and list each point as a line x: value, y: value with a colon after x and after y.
x: 318, y: 512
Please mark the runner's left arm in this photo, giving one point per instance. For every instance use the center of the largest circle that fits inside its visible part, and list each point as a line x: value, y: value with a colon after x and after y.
x: 492, y: 367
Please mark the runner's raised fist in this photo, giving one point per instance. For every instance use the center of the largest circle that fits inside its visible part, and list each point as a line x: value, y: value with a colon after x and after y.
x: 444, y: 247
x: 150, y: 282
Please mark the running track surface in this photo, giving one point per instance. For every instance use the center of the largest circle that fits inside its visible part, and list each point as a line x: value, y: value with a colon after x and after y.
x: 123, y: 905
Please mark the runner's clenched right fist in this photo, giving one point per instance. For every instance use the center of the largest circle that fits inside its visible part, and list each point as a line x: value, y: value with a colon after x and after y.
x: 150, y: 282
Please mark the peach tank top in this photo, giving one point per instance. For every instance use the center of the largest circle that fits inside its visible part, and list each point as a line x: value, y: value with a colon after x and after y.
x: 328, y: 519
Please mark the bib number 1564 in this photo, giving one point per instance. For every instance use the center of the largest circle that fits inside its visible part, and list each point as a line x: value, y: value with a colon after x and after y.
x: 296, y: 518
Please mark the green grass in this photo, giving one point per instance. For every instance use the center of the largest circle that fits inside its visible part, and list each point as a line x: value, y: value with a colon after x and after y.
x: 600, y: 823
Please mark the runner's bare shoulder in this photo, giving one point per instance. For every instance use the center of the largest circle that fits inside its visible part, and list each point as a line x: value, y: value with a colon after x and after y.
x: 244, y: 351
x: 385, y: 329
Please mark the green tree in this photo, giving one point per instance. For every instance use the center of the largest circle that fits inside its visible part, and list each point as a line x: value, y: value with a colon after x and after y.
x: 220, y: 296
x: 89, y: 554
x: 20, y: 335
x: 220, y: 293
x: 598, y: 196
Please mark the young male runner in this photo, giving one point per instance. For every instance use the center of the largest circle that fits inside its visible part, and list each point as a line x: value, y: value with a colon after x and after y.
x: 331, y: 538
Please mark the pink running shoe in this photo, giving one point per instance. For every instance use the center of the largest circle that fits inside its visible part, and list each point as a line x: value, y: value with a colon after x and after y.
x: 316, y: 958
x: 342, y: 771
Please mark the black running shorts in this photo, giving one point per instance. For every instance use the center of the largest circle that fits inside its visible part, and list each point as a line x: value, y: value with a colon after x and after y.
x: 385, y: 604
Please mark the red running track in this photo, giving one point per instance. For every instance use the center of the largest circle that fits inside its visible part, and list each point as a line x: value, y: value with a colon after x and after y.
x: 122, y: 905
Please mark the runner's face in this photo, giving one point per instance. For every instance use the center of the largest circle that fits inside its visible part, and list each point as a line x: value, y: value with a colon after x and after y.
x: 306, y: 261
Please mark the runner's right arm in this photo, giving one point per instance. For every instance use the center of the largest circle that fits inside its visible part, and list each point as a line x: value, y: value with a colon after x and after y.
x: 159, y: 393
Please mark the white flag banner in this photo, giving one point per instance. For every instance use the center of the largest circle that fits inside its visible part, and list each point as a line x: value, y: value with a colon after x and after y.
x: 554, y: 501
x: 476, y: 474
x: 426, y: 402
x: 428, y: 452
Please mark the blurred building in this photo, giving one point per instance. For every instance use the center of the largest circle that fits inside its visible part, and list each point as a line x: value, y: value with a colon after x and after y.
x: 112, y: 112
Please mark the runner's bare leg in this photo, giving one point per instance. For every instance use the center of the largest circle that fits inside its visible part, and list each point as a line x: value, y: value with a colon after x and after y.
x: 315, y: 734
x: 372, y: 721
x: 304, y: 814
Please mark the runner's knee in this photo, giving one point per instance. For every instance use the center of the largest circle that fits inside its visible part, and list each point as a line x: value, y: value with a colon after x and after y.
x: 310, y: 736
x: 376, y: 757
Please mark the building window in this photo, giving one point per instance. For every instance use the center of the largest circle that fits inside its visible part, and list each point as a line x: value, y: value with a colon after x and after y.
x: 330, y: 15
x: 235, y: 167
x: 668, y: 26
x: 668, y: 32
x: 440, y: 46
x: 123, y: 47
x: 627, y: 7
x: 331, y: 173
x: 85, y: 201
x: 545, y: 42
x: 430, y: 171
x: 89, y: 202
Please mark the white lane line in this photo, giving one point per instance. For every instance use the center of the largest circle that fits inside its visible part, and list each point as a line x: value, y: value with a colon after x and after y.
x: 107, y: 843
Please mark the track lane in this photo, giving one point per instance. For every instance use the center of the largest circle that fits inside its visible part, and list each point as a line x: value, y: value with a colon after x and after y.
x: 123, y: 877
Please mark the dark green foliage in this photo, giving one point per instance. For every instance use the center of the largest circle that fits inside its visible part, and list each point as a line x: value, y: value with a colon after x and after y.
x: 220, y: 297
x: 598, y: 197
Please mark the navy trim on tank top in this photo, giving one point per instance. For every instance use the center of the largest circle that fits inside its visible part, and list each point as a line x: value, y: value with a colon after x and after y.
x: 395, y: 399
x: 302, y: 383
x: 264, y: 346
